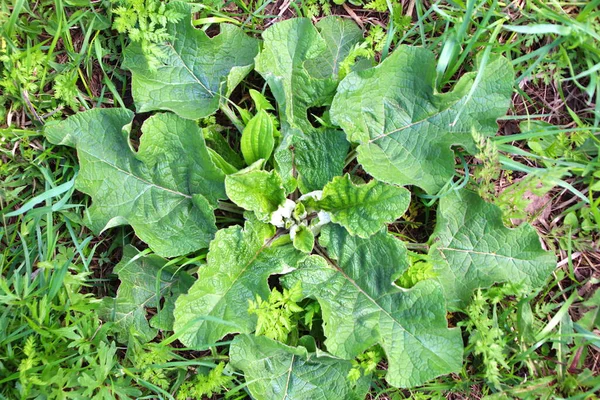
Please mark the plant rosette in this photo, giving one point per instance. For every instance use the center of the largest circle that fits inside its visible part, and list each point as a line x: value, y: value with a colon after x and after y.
x: 311, y: 226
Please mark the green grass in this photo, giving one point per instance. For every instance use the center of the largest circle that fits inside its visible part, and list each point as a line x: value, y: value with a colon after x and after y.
x: 58, y: 57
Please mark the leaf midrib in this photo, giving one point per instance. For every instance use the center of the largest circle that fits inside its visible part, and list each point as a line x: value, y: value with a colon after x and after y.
x: 343, y: 273
x: 441, y: 249
x: 143, y: 304
x: 427, y: 119
x: 246, y: 266
x: 128, y: 173
x: 209, y: 91
x: 289, y: 377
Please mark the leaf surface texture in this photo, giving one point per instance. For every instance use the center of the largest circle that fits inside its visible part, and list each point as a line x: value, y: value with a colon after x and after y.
x: 363, y: 209
x: 300, y: 62
x: 362, y: 307
x: 404, y: 129
x: 277, y: 371
x: 471, y: 248
x: 197, y: 70
x: 166, y: 191
x: 255, y: 190
x: 238, y: 265
x: 145, y: 281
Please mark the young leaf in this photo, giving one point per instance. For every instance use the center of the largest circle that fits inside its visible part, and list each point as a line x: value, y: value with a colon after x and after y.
x: 255, y: 190
x: 238, y: 265
x: 304, y: 238
x: 364, y: 209
x: 471, y: 249
x: 257, y: 138
x: 166, y: 191
x: 362, y: 307
x: 220, y: 162
x: 215, y: 140
x: 144, y: 282
x: 276, y: 371
x: 404, y: 129
x: 197, y: 71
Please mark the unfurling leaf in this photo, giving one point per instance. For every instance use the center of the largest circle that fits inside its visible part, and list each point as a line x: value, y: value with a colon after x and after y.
x: 256, y: 190
x: 304, y: 238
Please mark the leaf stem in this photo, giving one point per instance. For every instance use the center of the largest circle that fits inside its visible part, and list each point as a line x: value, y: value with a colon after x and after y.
x: 232, y: 117
x: 224, y: 206
x: 350, y: 157
x: 417, y: 246
x: 227, y: 220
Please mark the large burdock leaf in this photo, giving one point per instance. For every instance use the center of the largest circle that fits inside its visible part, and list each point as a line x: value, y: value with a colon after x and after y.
x: 363, y: 209
x: 471, y: 248
x: 166, y: 191
x: 197, y: 71
x: 276, y: 371
x: 238, y: 265
x: 404, y: 129
x: 362, y: 307
x: 300, y: 62
x: 145, y: 281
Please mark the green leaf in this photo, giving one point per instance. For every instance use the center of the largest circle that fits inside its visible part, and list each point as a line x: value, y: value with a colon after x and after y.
x: 220, y: 162
x: 591, y: 318
x: 216, y: 141
x: 471, y: 249
x: 363, y: 210
x: 257, y: 138
x: 238, y: 265
x: 419, y: 270
x: 276, y: 371
x: 362, y: 307
x: 197, y: 70
x: 304, y: 238
x: 300, y: 63
x: 340, y: 36
x: 255, y: 190
x: 315, y: 156
x: 404, y: 129
x: 166, y: 191
x: 145, y: 281
x: 260, y: 101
